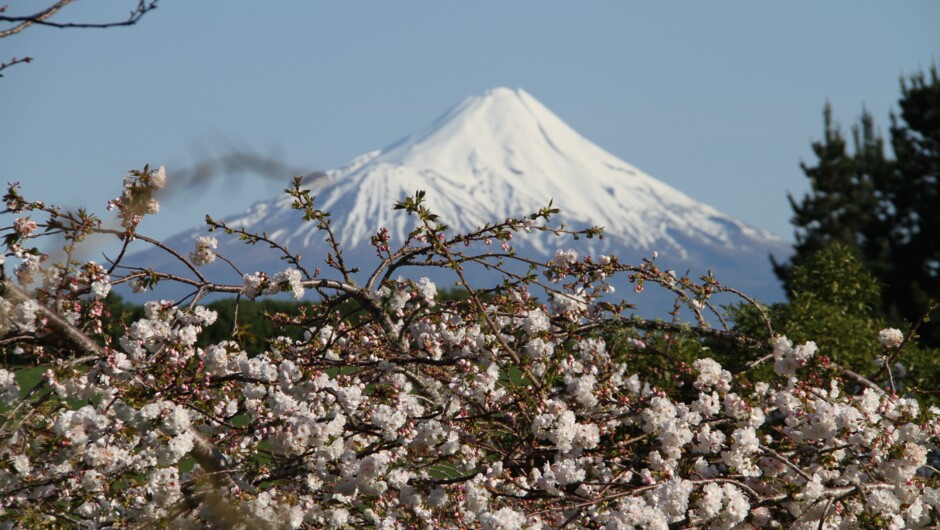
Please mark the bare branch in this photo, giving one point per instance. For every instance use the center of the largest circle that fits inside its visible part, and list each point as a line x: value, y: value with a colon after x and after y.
x: 14, y: 61
x: 42, y: 18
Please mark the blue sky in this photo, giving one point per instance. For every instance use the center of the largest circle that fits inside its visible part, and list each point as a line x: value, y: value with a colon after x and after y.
x: 719, y: 99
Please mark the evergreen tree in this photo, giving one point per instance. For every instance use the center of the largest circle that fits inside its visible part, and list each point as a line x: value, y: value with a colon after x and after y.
x: 888, y: 209
x: 914, y: 194
x: 843, y: 200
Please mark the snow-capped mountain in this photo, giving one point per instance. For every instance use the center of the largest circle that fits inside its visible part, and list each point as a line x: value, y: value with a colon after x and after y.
x: 505, y: 154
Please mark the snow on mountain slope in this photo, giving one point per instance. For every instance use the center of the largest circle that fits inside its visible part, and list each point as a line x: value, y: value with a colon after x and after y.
x: 504, y: 154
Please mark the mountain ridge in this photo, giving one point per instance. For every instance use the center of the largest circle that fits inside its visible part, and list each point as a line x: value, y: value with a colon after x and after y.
x: 504, y: 154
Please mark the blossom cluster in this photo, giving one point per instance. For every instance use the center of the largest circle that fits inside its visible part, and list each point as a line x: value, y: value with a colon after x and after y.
x: 138, y: 197
x: 259, y: 283
x: 205, y: 251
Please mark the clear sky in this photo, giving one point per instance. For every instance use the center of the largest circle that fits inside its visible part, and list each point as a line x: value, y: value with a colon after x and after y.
x: 719, y: 99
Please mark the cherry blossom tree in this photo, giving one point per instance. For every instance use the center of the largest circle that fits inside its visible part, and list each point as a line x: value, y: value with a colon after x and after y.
x: 523, y: 405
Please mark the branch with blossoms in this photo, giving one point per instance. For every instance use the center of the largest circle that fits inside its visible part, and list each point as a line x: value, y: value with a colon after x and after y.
x: 540, y: 402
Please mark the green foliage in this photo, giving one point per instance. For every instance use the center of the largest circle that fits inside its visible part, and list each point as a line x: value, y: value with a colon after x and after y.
x: 885, y: 208
x: 122, y: 314
x: 836, y: 302
x: 256, y: 324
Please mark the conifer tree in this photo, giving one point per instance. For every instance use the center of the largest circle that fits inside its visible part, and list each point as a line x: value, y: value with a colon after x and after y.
x: 842, y: 204
x: 889, y: 209
x: 914, y: 194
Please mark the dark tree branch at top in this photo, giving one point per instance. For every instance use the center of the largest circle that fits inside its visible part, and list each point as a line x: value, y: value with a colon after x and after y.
x: 42, y: 18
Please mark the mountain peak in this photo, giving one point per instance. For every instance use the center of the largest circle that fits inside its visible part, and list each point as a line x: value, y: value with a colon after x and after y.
x: 502, y: 91
x: 502, y: 98
x: 503, y: 154
x: 501, y: 104
x: 488, y: 129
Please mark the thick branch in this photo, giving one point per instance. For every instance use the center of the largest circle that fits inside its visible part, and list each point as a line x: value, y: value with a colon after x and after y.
x: 17, y: 295
x: 28, y: 21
